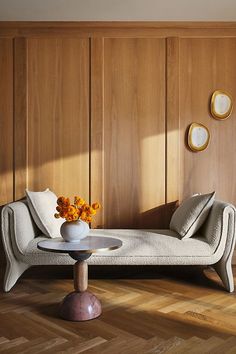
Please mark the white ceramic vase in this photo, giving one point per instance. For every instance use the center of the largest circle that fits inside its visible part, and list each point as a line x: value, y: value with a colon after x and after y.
x: 74, y: 231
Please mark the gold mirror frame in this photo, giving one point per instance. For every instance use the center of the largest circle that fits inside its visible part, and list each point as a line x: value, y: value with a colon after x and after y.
x: 190, y: 142
x: 213, y: 111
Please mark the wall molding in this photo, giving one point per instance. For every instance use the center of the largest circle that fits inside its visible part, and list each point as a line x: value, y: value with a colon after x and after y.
x: 117, y: 28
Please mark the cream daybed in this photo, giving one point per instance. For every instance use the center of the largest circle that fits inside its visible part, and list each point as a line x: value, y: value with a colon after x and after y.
x: 212, y: 245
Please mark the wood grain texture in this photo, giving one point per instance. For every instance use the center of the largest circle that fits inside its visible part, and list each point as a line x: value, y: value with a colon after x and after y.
x: 207, y: 65
x: 172, y: 120
x: 162, y: 310
x: 58, y: 115
x: 138, y: 29
x: 50, y: 25
x: 97, y: 129
x: 133, y: 129
x: 6, y: 120
x: 20, y: 117
x: 80, y: 276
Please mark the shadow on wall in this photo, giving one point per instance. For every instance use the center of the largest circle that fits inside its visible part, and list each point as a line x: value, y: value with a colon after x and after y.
x: 156, y: 218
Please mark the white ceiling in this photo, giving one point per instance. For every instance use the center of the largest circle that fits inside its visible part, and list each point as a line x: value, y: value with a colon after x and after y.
x: 117, y: 10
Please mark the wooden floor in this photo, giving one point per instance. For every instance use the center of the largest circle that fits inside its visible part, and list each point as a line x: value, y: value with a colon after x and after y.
x: 180, y: 310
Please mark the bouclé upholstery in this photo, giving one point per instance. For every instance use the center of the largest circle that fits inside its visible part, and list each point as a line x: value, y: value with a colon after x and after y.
x: 212, y: 245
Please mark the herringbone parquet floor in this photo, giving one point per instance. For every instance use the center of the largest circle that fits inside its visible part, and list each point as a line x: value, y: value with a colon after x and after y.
x: 169, y: 312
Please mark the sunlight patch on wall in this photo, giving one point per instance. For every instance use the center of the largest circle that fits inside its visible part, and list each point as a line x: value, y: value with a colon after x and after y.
x: 152, y: 172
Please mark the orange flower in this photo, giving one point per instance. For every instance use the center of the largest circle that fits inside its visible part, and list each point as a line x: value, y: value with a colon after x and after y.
x: 58, y: 208
x: 92, y: 211
x: 86, y: 207
x: 63, y: 214
x: 79, y: 201
x: 89, y: 219
x: 75, y: 217
x: 60, y: 201
x: 71, y: 210
x: 79, y: 211
x: 66, y: 202
x: 96, y: 206
x: 83, y: 216
x: 69, y: 218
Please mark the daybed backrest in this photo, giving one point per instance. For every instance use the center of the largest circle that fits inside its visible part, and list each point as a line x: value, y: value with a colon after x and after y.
x: 18, y: 226
x: 220, y: 223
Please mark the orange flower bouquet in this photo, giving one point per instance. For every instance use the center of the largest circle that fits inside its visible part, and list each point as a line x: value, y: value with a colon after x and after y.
x: 77, y: 217
x: 79, y: 210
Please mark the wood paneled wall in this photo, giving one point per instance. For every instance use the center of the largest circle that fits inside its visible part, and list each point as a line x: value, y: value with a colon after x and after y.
x: 6, y: 121
x: 132, y: 126
x: 207, y: 64
x: 53, y: 127
x: 102, y: 109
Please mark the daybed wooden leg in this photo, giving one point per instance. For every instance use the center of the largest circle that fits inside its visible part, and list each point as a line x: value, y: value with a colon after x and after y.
x: 224, y: 270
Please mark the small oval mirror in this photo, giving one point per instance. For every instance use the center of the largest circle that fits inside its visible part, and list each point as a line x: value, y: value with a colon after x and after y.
x: 198, y: 137
x: 221, y: 105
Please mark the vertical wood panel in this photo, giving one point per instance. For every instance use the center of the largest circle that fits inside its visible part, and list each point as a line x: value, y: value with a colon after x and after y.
x: 172, y: 125
x: 207, y: 65
x: 133, y: 158
x: 6, y: 121
x: 20, y: 117
x: 97, y: 126
x: 58, y: 115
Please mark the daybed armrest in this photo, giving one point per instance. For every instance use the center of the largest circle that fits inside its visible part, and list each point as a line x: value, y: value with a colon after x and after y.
x: 18, y: 227
x: 220, y: 232
x: 220, y: 224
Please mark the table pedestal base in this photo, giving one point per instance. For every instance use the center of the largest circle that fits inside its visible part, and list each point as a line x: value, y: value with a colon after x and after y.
x: 80, y: 306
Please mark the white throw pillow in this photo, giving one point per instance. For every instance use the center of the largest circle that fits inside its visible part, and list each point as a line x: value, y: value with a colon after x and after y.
x: 191, y: 214
x: 42, y: 206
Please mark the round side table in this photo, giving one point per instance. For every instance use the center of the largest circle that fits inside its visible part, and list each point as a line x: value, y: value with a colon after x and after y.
x: 80, y: 305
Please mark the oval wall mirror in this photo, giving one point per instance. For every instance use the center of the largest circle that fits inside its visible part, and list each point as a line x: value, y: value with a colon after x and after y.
x: 221, y: 105
x: 198, y: 137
